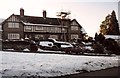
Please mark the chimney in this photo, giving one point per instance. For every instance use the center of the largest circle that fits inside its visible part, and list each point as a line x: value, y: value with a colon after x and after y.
x: 21, y: 12
x: 44, y: 13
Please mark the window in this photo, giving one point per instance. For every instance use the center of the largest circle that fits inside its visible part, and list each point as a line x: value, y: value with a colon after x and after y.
x: 57, y: 30
x: 74, y: 27
x: 39, y: 28
x: 50, y: 29
x: 74, y: 36
x: 28, y: 27
x: 53, y: 29
x: 13, y: 25
x: 13, y: 36
x: 64, y: 30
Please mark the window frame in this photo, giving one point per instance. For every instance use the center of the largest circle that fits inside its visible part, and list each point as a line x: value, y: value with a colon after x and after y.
x: 74, y: 28
x: 13, y: 36
x: 27, y: 27
x: 39, y: 28
x: 13, y: 25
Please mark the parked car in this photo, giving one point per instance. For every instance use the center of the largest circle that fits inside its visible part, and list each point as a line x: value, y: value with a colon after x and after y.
x: 52, y: 44
x: 46, y: 45
x: 63, y: 45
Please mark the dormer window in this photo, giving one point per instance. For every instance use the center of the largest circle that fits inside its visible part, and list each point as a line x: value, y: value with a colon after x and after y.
x: 13, y: 25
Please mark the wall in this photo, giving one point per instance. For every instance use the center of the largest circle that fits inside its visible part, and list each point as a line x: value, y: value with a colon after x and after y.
x: 12, y: 30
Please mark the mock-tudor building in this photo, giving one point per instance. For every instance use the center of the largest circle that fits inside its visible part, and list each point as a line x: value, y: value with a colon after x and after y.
x: 40, y: 28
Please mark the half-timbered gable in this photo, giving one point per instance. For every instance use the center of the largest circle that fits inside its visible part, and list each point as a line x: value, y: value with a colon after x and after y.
x: 13, y: 28
x: 75, y: 29
x: 13, y: 18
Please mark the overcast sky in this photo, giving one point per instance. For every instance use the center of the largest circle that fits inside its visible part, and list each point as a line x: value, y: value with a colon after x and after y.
x: 89, y: 13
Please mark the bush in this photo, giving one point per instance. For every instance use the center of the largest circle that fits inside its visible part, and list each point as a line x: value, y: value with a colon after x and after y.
x: 111, y: 46
x: 98, y: 48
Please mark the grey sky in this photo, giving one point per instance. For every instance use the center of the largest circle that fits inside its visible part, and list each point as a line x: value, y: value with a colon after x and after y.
x: 89, y: 13
x: 119, y: 13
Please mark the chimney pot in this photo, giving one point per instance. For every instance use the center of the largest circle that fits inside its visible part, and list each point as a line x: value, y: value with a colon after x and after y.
x: 44, y: 13
x: 21, y: 12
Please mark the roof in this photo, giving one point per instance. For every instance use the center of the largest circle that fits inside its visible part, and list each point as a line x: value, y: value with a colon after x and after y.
x: 41, y: 20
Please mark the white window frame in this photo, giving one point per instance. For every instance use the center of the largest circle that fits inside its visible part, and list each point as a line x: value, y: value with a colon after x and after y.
x: 39, y: 28
x: 13, y: 36
x: 13, y: 25
x: 28, y: 27
x: 74, y: 27
x: 57, y: 30
x: 49, y: 29
x: 64, y: 30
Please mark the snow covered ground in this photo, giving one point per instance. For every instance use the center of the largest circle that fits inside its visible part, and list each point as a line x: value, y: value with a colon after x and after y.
x: 27, y: 64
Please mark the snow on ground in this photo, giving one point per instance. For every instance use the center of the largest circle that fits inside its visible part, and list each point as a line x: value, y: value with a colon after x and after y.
x: 27, y: 64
